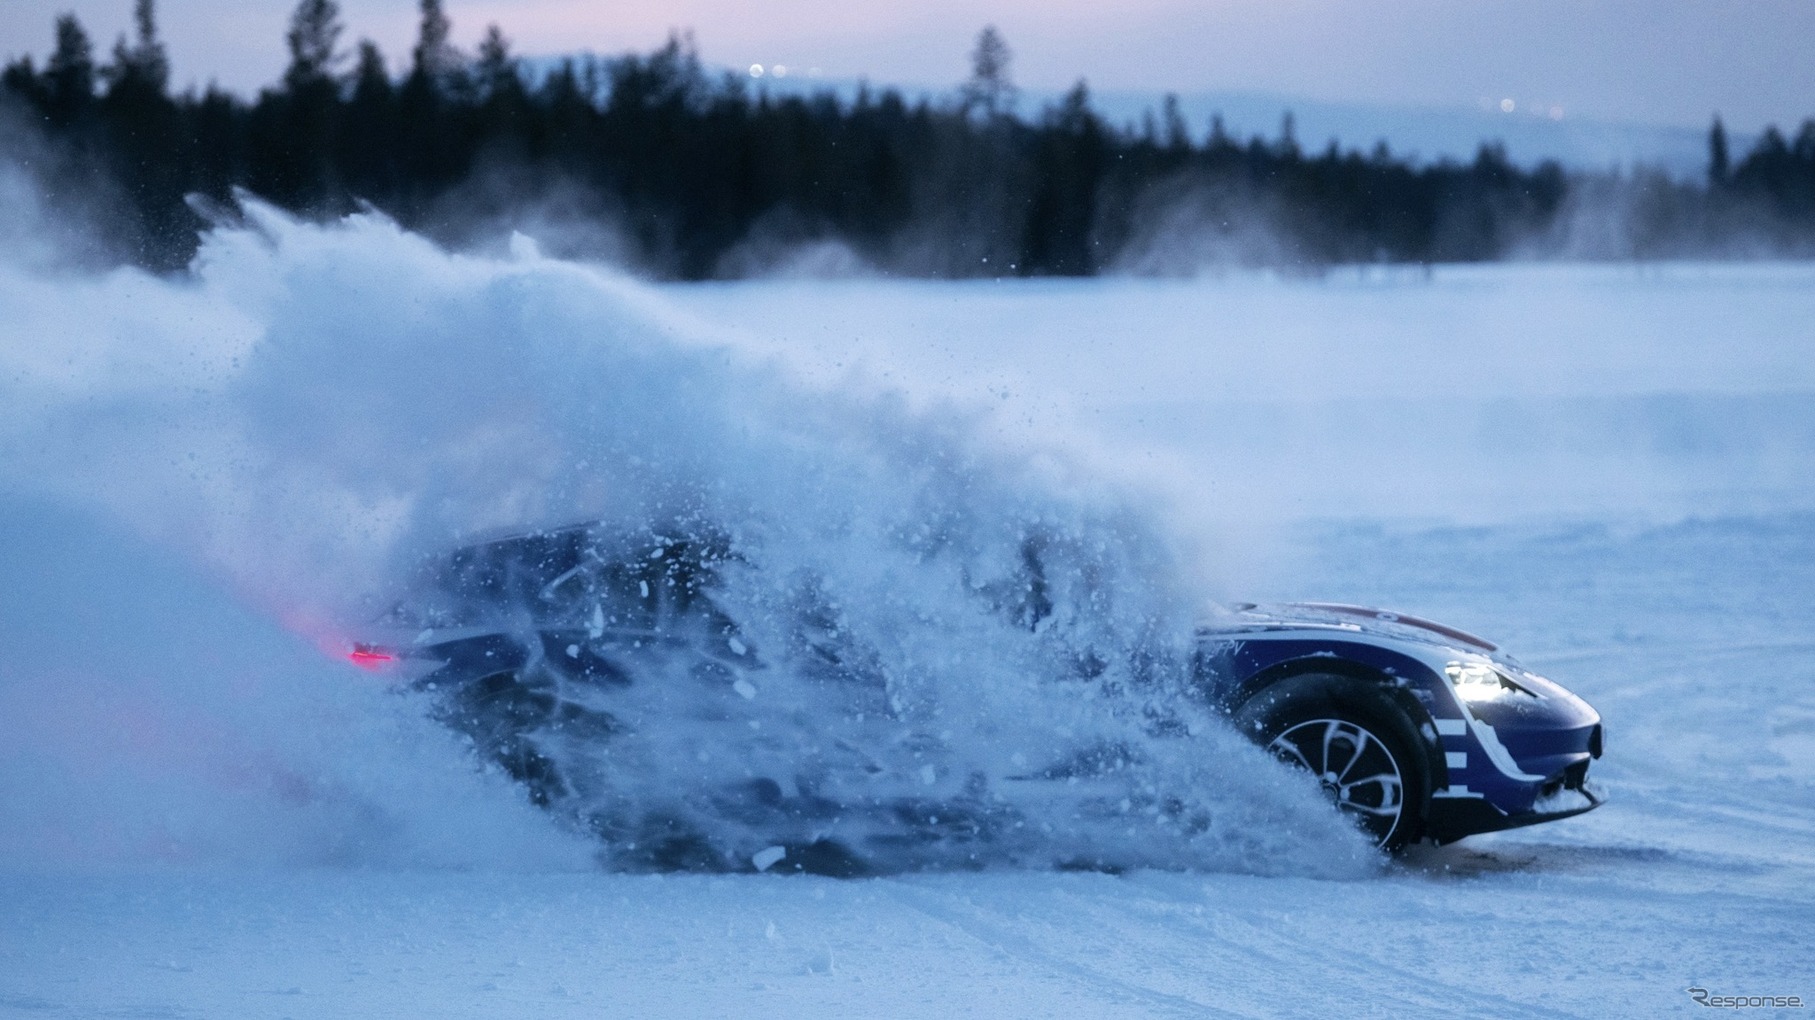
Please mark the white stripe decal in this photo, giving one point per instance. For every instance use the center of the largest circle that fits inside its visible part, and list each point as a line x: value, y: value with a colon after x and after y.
x: 1456, y: 759
x: 1451, y: 727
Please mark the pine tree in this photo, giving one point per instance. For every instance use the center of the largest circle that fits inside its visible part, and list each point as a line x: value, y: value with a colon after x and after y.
x: 497, y: 68
x: 298, y: 126
x: 314, y: 31
x: 504, y: 111
x: 368, y: 128
x: 143, y: 129
x: 1218, y: 139
x: 432, y: 108
x: 1719, y: 166
x: 989, y: 89
x: 70, y: 74
x: 435, y: 57
x: 371, y: 82
x: 1178, y: 136
x: 143, y: 66
x: 1068, y: 171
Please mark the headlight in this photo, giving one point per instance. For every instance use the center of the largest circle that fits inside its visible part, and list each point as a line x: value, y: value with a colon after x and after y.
x: 1480, y: 681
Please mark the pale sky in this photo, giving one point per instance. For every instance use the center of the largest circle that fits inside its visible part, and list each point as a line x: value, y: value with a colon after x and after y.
x: 1651, y: 61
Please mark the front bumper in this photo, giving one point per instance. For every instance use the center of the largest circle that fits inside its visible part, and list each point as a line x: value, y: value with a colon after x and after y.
x: 1452, y: 818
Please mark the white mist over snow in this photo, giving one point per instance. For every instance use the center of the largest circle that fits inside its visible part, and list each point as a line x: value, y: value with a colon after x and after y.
x: 1476, y: 393
x: 316, y: 408
x: 149, y: 719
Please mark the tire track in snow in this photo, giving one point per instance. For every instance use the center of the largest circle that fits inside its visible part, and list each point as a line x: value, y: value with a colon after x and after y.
x: 1306, y: 965
x: 1235, y: 945
x: 965, y: 917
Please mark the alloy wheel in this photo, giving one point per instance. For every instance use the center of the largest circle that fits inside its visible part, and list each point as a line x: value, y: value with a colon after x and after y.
x: 1356, y: 769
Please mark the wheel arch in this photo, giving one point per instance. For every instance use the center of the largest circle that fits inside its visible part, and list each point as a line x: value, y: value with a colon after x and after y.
x: 1391, y: 687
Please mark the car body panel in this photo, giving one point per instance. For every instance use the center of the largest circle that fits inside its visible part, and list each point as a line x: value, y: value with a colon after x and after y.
x: 1498, y: 761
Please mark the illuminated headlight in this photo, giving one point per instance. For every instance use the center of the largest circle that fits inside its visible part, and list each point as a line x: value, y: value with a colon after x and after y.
x: 1479, y: 681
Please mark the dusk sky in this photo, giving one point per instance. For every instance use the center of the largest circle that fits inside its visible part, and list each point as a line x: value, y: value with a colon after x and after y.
x: 1653, y: 61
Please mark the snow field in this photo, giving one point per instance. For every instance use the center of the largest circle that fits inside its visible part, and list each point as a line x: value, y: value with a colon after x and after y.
x: 203, y: 814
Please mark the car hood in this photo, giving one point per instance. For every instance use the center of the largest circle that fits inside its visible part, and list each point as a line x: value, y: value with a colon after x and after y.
x: 1248, y: 617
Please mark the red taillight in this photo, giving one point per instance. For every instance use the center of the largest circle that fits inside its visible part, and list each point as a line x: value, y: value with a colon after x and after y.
x: 368, y: 658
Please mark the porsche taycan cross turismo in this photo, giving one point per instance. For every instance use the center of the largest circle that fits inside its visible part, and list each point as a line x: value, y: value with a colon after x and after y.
x: 1418, y: 731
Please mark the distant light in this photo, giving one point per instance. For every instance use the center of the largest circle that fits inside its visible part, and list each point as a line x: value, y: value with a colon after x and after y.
x: 781, y: 70
x: 1556, y: 113
x: 756, y: 70
x: 1508, y: 106
x: 814, y: 72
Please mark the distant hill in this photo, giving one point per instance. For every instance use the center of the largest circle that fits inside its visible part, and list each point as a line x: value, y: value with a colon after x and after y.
x: 1421, y: 133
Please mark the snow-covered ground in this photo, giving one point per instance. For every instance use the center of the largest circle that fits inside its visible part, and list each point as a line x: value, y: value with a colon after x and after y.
x: 1612, y: 470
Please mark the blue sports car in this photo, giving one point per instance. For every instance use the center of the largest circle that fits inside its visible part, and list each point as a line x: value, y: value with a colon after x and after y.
x: 1416, y: 730
x: 1420, y: 731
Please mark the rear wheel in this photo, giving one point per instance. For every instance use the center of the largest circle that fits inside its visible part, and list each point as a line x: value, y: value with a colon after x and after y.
x: 513, y: 716
x: 1361, y: 746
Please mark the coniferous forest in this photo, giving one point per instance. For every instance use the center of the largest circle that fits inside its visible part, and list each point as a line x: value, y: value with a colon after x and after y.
x: 654, y: 162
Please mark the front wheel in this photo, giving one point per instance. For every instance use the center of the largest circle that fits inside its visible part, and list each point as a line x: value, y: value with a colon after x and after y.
x: 1362, y: 748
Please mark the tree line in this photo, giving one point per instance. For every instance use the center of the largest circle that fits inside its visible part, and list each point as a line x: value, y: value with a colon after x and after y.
x: 686, y: 175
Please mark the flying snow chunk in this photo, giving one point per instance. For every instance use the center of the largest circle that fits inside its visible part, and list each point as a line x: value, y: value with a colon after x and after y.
x: 768, y: 857
x: 737, y: 647
x: 745, y: 689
